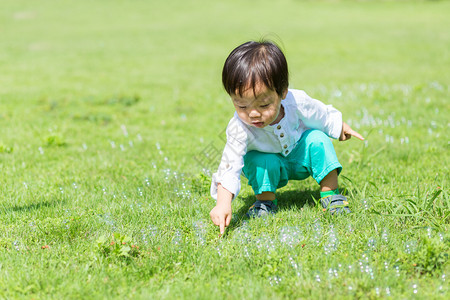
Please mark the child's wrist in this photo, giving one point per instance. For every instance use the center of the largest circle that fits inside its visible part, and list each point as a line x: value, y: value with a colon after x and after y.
x: 223, y: 202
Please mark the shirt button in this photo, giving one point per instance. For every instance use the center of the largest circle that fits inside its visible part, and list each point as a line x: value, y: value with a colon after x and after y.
x: 279, y: 127
x: 287, y: 151
x: 282, y: 135
x: 285, y: 146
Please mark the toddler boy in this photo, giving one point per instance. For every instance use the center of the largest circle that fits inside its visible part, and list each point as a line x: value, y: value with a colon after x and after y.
x: 276, y: 135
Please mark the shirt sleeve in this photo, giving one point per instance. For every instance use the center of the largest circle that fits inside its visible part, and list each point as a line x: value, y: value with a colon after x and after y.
x: 315, y: 114
x: 232, y: 162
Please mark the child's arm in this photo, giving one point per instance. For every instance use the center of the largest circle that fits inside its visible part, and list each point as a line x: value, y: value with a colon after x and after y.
x: 317, y: 115
x: 348, y: 132
x: 221, y: 213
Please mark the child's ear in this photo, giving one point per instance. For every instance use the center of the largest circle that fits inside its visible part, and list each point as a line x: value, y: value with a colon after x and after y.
x: 283, y: 96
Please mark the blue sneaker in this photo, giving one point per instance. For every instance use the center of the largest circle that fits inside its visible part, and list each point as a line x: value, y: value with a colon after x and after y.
x: 262, y: 208
x: 335, y: 204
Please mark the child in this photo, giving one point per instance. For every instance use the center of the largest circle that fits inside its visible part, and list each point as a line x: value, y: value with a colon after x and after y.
x: 276, y: 134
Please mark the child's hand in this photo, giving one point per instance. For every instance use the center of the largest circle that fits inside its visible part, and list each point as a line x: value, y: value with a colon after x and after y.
x: 221, y: 213
x: 221, y: 216
x: 348, y: 132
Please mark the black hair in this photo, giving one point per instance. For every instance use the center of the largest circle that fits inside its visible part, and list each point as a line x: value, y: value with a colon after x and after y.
x: 255, y: 62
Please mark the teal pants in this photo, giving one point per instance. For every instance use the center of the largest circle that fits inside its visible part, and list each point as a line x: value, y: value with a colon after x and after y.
x: 313, y: 156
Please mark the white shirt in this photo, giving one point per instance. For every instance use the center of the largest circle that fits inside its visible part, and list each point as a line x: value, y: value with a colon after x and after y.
x: 301, y: 113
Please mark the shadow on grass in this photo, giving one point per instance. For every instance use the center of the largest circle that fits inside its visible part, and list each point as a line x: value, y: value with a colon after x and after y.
x: 289, y: 199
x: 286, y: 200
x: 33, y: 206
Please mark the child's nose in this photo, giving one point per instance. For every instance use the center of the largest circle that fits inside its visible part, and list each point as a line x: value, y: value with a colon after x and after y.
x: 254, y: 113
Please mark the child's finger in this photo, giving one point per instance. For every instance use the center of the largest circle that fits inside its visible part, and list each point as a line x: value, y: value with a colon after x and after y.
x: 222, y: 226
x: 357, y: 135
x: 227, y: 221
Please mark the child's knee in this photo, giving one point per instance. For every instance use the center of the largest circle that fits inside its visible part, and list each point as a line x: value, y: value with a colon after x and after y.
x: 265, y: 171
x: 256, y: 160
x: 317, y: 138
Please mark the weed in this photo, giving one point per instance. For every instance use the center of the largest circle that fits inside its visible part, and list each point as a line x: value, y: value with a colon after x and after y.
x: 118, y: 246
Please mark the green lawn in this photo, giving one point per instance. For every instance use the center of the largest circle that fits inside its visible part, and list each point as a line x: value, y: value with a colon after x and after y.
x: 107, y: 109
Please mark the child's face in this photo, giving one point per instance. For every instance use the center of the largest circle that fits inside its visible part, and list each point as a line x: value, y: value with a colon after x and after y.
x: 259, y: 109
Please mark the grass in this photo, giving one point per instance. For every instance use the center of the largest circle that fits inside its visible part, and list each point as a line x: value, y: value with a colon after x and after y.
x: 107, y: 109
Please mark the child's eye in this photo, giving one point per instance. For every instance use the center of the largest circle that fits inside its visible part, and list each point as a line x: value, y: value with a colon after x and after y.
x: 265, y: 105
x: 242, y: 107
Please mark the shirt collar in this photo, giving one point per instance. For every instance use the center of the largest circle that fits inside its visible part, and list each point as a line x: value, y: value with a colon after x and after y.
x: 271, y: 128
